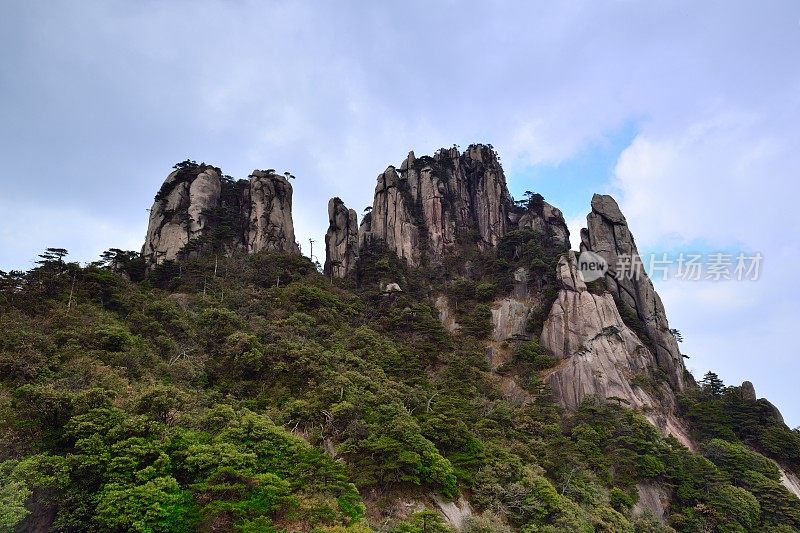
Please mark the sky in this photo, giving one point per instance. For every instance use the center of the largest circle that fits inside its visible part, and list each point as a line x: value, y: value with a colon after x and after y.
x: 687, y: 112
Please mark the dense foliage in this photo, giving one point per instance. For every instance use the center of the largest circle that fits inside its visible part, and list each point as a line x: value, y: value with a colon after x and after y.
x: 252, y: 394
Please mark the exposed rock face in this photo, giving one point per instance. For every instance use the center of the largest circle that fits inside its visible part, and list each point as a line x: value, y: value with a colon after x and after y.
x: 341, y: 239
x: 748, y: 391
x: 179, y: 211
x: 391, y: 219
x: 790, y: 481
x: 653, y: 498
x: 510, y: 319
x: 446, y: 315
x: 601, y: 355
x: 194, y: 199
x: 608, y: 235
x: 455, y: 512
x: 422, y: 209
x: 548, y: 220
x: 271, y: 226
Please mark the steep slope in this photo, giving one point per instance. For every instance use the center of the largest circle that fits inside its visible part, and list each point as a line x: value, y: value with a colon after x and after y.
x: 463, y: 376
x: 601, y: 356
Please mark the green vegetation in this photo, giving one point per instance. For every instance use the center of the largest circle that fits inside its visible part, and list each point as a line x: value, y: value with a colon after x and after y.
x: 252, y: 394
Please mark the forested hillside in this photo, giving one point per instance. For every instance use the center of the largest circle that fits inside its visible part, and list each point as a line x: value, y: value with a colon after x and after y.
x: 252, y: 393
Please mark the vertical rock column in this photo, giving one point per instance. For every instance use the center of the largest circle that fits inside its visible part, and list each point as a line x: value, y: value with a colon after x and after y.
x: 341, y: 239
x: 271, y: 226
x: 391, y: 219
x: 194, y: 200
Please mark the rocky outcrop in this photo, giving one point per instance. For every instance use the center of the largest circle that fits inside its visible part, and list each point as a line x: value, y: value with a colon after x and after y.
x: 548, y: 220
x: 271, y: 226
x: 600, y: 355
x: 391, y: 219
x: 654, y: 499
x: 341, y: 239
x: 790, y: 481
x: 608, y: 235
x: 748, y: 391
x: 423, y: 208
x: 198, y: 207
x: 179, y: 213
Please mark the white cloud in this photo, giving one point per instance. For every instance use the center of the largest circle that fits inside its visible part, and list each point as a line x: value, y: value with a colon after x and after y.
x: 725, y: 182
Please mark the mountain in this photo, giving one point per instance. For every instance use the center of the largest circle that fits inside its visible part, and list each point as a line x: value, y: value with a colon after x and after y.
x: 450, y: 369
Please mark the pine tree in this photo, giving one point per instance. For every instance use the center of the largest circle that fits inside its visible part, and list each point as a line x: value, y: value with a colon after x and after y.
x: 713, y: 384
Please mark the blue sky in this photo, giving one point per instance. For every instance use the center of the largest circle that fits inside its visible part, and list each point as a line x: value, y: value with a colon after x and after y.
x: 688, y: 113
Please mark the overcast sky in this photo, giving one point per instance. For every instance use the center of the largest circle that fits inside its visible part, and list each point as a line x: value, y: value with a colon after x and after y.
x: 688, y: 113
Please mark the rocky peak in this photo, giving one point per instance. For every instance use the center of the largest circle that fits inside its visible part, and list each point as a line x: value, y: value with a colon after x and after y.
x: 198, y: 207
x: 427, y: 205
x: 608, y: 235
x: 542, y: 217
x: 341, y: 239
x: 271, y: 226
x: 391, y: 219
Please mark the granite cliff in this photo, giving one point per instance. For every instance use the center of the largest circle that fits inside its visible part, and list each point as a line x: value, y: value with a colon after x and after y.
x: 198, y: 208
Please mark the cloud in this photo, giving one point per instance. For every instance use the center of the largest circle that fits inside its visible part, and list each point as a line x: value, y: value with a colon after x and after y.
x: 725, y: 182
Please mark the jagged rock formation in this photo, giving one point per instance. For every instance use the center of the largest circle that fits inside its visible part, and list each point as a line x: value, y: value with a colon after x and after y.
x: 608, y: 235
x: 748, y: 391
x: 421, y: 209
x: 428, y: 205
x: 391, y: 219
x: 197, y: 204
x: 341, y: 239
x: 601, y: 355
